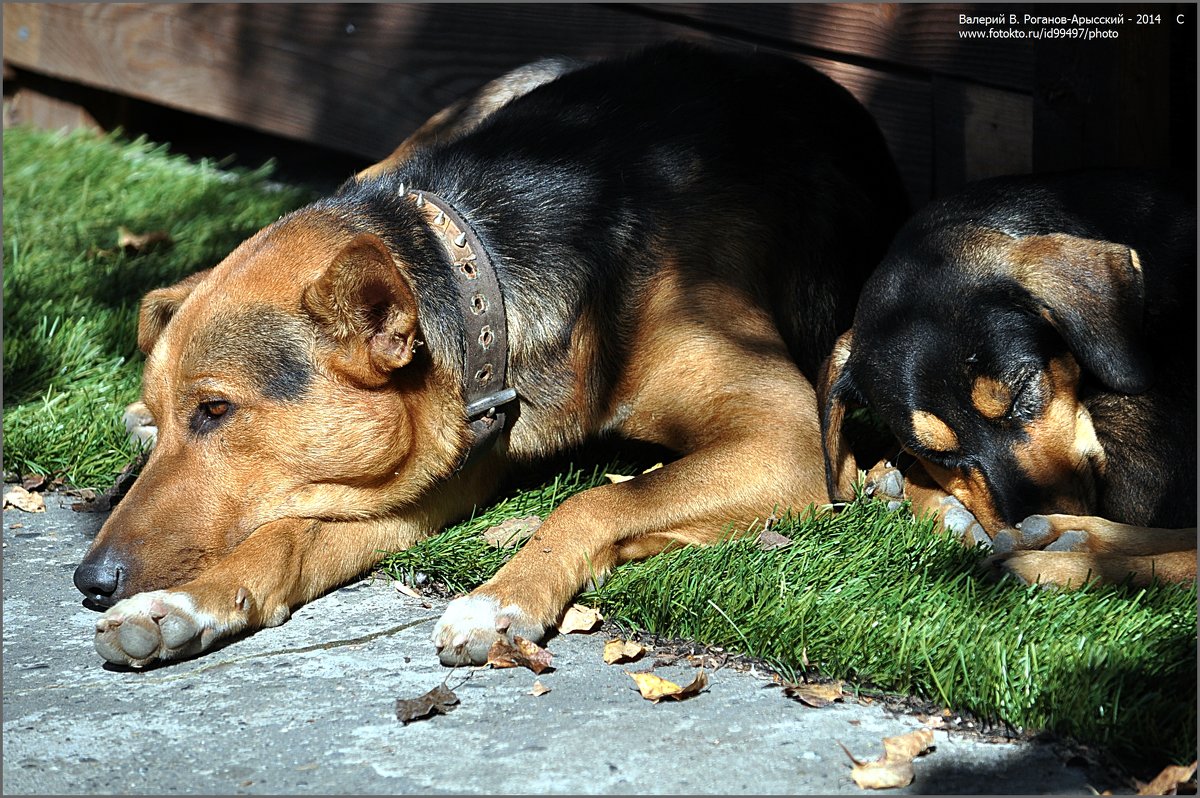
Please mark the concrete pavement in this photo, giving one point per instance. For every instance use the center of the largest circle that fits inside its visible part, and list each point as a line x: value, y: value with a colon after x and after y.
x: 308, y: 707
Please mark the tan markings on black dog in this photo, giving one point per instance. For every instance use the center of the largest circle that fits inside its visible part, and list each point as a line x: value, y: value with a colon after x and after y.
x: 1061, y: 451
x: 932, y: 432
x: 969, y: 486
x: 1106, y: 427
x: 1075, y: 569
x: 840, y: 466
x: 991, y: 397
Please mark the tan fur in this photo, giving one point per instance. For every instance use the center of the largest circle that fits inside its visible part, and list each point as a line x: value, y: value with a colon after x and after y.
x: 1062, y: 449
x: 839, y: 459
x: 747, y: 411
x: 932, y: 432
x: 991, y: 397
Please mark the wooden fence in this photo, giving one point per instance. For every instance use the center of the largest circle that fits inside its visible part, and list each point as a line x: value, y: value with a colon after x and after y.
x: 358, y: 78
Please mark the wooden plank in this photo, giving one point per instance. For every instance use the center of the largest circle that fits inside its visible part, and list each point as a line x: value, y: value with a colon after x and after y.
x: 1108, y: 103
x: 359, y: 78
x: 979, y: 132
x: 917, y: 36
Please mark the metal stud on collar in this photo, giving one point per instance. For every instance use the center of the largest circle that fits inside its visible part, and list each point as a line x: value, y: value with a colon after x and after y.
x: 490, y: 406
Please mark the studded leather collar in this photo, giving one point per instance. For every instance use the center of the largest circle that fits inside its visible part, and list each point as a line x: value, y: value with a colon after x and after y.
x: 489, y: 403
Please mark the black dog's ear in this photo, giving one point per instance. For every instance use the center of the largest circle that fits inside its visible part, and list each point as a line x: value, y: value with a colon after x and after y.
x: 834, y: 392
x: 159, y: 306
x: 1094, y: 295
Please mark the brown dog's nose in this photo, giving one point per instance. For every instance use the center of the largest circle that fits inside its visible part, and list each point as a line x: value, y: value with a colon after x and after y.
x: 99, y: 578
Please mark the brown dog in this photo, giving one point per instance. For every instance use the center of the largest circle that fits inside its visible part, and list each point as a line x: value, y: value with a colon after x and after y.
x: 1031, y: 342
x: 661, y: 247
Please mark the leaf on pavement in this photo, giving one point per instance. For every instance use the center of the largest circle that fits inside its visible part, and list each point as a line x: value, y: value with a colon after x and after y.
x: 619, y: 651
x: 513, y: 532
x: 579, y: 618
x: 815, y: 695
x: 1169, y: 781
x: 437, y: 701
x: 538, y: 689
x: 894, y: 768
x: 23, y: 500
x: 407, y: 590
x: 655, y: 688
x: 520, y: 653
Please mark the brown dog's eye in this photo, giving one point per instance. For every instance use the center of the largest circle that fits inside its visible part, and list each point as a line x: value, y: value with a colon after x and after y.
x: 209, y: 414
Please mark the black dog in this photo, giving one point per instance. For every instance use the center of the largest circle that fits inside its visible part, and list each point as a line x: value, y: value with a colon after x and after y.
x: 1032, y: 342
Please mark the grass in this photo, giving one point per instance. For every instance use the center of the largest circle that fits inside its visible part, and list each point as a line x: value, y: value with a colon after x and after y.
x: 877, y: 597
x: 71, y: 295
x: 867, y: 595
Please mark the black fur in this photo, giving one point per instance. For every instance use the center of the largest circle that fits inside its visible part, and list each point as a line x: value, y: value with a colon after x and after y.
x: 742, y: 164
x: 930, y: 321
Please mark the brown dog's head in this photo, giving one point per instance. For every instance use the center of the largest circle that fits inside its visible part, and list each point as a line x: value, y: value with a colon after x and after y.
x: 971, y: 345
x: 286, y: 382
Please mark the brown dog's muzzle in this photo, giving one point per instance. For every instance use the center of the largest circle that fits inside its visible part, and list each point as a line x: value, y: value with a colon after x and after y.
x: 102, y: 576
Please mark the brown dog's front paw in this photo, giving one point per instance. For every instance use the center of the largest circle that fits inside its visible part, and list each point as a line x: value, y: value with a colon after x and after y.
x: 471, y: 624
x: 159, y: 625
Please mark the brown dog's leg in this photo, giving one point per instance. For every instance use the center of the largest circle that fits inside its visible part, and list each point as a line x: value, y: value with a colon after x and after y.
x: 280, y: 566
x: 726, y: 396
x: 690, y: 501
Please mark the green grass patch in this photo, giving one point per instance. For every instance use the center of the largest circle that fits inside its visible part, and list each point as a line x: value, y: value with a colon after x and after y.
x: 867, y: 595
x: 71, y: 295
x: 878, y: 598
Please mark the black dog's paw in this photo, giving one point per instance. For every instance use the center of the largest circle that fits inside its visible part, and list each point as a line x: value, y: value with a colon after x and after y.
x: 1048, y: 533
x: 884, y: 482
x: 958, y: 520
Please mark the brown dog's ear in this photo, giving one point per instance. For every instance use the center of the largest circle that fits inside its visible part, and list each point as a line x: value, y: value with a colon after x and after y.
x: 833, y: 389
x: 365, y: 304
x: 1094, y: 295
x: 159, y: 306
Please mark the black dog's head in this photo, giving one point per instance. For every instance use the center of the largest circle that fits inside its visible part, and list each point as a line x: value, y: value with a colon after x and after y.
x: 970, y: 343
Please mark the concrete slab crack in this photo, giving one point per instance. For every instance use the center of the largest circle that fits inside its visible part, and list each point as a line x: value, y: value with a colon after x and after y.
x: 209, y: 665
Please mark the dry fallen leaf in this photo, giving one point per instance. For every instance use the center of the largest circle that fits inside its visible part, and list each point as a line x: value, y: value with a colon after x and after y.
x: 814, y: 695
x: 520, y: 653
x: 579, y: 618
x: 406, y: 589
x: 23, y: 500
x: 34, y: 482
x: 894, y: 768
x: 513, y: 532
x: 655, y: 688
x: 437, y: 701
x: 769, y: 540
x: 618, y: 651
x: 139, y: 243
x: 1169, y: 781
x: 539, y: 689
